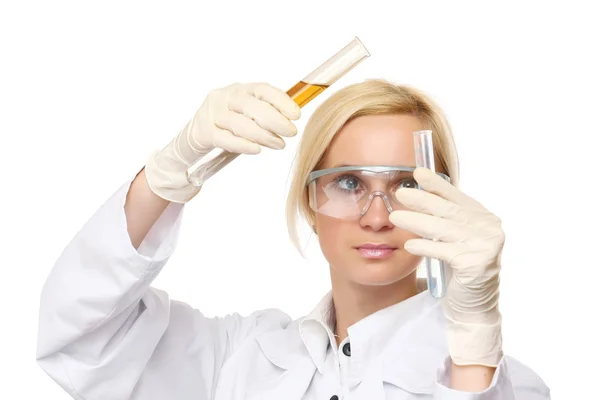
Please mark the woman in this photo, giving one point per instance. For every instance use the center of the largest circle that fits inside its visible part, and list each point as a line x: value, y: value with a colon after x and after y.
x: 106, y: 334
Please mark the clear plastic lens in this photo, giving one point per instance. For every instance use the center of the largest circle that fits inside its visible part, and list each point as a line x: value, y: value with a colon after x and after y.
x: 350, y: 194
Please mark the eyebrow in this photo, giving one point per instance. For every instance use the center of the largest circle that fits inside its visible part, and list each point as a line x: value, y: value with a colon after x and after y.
x: 345, y: 165
x: 361, y: 165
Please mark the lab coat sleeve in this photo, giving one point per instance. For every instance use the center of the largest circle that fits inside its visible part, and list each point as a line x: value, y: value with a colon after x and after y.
x: 512, y: 381
x: 105, y: 333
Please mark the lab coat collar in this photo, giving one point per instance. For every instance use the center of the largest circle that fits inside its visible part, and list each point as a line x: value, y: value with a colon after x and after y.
x: 410, y: 335
x: 317, y: 331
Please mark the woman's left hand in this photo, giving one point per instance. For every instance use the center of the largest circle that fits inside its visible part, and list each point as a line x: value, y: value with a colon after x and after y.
x: 470, y: 240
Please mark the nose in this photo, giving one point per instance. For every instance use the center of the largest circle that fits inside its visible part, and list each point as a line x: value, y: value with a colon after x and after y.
x: 377, y: 213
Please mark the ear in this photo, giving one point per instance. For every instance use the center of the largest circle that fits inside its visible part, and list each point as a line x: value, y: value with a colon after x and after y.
x: 312, y: 220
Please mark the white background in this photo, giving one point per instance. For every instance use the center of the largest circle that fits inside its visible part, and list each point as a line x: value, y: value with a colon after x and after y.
x: 89, y: 89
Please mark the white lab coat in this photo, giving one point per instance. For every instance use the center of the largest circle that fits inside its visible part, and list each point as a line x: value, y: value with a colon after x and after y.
x: 105, y: 333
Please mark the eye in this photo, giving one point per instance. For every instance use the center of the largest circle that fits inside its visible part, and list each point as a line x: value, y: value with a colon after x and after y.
x: 348, y: 183
x: 410, y: 183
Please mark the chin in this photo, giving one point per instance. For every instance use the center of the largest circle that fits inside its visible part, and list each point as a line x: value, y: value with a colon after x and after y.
x: 379, y: 277
x: 381, y: 272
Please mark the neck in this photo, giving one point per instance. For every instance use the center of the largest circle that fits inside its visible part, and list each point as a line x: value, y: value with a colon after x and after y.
x: 353, y: 302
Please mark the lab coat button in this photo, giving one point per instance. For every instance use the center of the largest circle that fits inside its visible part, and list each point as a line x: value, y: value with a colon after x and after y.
x: 346, y: 349
x: 334, y: 397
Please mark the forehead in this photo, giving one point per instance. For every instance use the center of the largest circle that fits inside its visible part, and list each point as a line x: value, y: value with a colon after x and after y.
x: 374, y: 140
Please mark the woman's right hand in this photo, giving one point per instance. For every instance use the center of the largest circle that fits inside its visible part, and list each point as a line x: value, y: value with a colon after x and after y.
x: 238, y: 118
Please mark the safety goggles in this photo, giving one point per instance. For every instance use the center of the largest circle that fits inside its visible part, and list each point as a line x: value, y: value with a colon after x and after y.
x: 348, y: 192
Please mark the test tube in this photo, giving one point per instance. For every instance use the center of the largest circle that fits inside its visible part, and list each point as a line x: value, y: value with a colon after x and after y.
x: 302, y: 93
x: 436, y: 274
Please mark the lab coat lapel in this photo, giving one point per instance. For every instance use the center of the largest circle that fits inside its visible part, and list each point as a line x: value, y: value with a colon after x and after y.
x: 416, y: 353
x: 285, y: 350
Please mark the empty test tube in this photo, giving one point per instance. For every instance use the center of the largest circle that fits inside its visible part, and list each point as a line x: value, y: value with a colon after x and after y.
x: 436, y: 274
x: 302, y: 93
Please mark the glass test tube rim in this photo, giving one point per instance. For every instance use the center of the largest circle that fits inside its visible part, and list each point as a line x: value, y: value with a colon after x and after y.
x: 354, y: 52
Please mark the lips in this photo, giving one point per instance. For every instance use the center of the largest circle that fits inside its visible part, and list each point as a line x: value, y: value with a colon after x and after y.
x: 375, y: 251
x: 372, y: 246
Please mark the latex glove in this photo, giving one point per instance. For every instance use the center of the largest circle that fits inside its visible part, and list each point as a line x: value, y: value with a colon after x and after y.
x: 239, y: 118
x: 471, y: 240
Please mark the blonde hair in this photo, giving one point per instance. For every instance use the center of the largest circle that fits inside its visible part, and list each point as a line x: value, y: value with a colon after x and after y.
x: 372, y: 97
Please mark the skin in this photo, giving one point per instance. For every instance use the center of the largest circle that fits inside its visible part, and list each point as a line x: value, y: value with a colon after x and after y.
x: 362, y: 286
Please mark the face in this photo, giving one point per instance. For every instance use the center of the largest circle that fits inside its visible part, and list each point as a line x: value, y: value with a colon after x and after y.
x: 369, y: 140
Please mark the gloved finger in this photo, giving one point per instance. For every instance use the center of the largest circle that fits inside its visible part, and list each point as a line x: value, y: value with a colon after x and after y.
x: 277, y: 98
x: 227, y: 141
x: 446, y: 252
x: 433, y: 183
x: 429, y: 226
x: 243, y: 127
x: 432, y: 204
x: 265, y: 115
x: 471, y: 262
